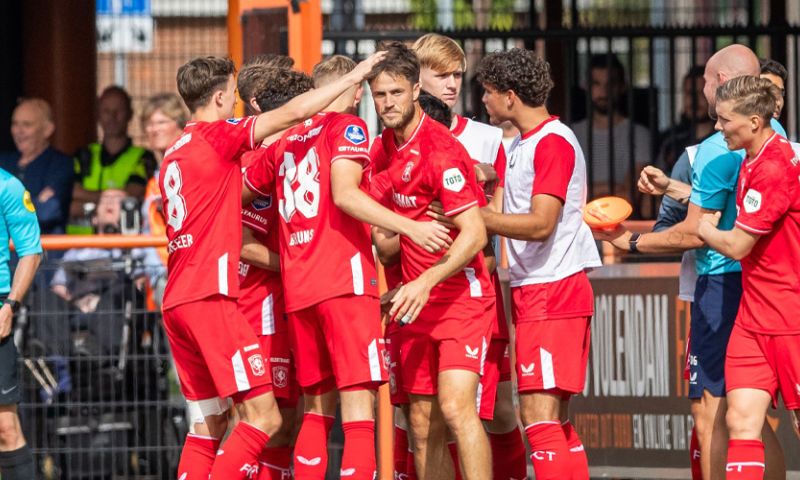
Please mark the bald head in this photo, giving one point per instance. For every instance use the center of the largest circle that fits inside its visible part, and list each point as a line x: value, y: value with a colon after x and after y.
x: 32, y: 126
x: 730, y: 62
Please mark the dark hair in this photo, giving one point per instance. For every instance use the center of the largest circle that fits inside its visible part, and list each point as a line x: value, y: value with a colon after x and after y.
x: 201, y: 77
x: 696, y: 71
x: 773, y: 67
x: 518, y: 70
x: 117, y: 90
x: 270, y: 60
x: 608, y: 61
x: 276, y: 86
x: 400, y: 61
x: 245, y: 81
x: 435, y: 108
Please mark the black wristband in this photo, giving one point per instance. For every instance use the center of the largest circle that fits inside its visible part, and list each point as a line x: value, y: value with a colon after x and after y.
x: 634, y: 240
x: 13, y: 304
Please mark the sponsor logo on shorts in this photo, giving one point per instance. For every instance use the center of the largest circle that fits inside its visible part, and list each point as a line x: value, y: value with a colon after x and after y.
x: 752, y: 201
x: 257, y: 364
x: 311, y: 462
x: 355, y: 134
x: 527, y: 370
x: 347, y: 472
x: 280, y: 376
x: 472, y: 352
x: 693, y: 378
x: 6, y: 391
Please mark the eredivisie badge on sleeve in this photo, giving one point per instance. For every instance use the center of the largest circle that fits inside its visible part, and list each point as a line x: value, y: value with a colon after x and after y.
x: 27, y: 202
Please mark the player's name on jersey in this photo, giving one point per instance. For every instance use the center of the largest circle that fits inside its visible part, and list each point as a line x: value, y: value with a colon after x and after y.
x: 300, y: 238
x: 630, y: 347
x: 181, y: 241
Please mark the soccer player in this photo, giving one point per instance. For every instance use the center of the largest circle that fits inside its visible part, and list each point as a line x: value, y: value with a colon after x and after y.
x: 251, y: 80
x: 446, y: 299
x: 261, y: 290
x: 718, y: 289
x: 550, y: 248
x: 763, y: 357
x: 216, y: 353
x: 328, y: 271
x: 442, y: 65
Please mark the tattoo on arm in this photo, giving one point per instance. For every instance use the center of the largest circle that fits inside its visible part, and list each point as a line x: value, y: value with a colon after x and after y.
x: 675, y: 238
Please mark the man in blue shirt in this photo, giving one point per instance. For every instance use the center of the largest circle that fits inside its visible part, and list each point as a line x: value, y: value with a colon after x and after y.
x: 47, y: 173
x: 715, y: 172
x: 17, y: 223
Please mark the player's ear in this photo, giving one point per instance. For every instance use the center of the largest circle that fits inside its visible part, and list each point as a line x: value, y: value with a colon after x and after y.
x: 217, y: 98
x: 254, y: 105
x: 415, y: 91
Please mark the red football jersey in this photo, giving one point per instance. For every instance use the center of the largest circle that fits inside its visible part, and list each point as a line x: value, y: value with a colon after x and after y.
x: 325, y: 253
x: 433, y: 165
x: 201, y: 184
x: 261, y: 290
x: 768, y: 204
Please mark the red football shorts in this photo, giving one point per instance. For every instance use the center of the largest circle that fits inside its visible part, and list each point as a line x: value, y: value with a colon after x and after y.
x: 764, y: 362
x: 266, y: 316
x: 500, y: 326
x: 445, y: 336
x: 281, y: 362
x: 339, y: 338
x: 397, y: 396
x: 552, y: 354
x: 216, y: 352
x: 493, y: 370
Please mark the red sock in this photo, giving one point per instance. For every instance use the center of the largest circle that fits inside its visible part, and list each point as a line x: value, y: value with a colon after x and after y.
x: 358, y: 457
x: 275, y: 463
x: 400, y: 452
x: 238, y: 457
x: 508, y: 455
x: 694, y: 456
x: 577, y: 455
x: 411, y: 472
x: 453, y: 448
x: 745, y: 460
x: 197, y: 457
x: 550, y: 452
x: 311, y: 448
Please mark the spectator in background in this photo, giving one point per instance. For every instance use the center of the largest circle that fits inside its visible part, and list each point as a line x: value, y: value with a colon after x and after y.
x: 163, y: 117
x: 776, y: 73
x: 694, y: 125
x: 611, y: 130
x: 44, y: 171
x: 113, y: 164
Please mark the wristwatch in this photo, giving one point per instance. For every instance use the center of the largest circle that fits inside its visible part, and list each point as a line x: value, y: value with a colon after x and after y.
x: 13, y: 304
x: 633, y: 241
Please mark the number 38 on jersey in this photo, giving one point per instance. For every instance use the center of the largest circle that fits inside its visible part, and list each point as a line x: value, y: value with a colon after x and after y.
x: 300, y: 185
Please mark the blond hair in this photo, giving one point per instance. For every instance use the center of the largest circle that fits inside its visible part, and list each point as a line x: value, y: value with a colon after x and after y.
x: 167, y: 103
x: 750, y: 96
x: 331, y: 69
x: 439, y: 53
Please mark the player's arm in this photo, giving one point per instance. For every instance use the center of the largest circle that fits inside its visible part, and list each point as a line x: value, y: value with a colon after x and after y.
x: 489, y: 257
x: 310, y: 103
x: 387, y: 244
x: 536, y: 226
x: 653, y: 181
x: 735, y: 244
x: 679, y: 238
x: 350, y: 198
x: 411, y: 297
x: 257, y: 254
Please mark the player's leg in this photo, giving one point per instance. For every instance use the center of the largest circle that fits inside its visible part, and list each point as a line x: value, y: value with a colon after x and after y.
x: 541, y: 415
x: 16, y: 460
x: 577, y: 454
x: 402, y: 448
x: 356, y: 348
x: 505, y: 438
x: 428, y: 432
x: 747, y: 408
x: 708, y: 413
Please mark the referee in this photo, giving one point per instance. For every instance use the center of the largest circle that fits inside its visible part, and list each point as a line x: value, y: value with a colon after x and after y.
x: 18, y: 223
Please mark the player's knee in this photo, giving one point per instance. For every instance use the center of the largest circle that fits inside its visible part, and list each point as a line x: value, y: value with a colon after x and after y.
x: 456, y: 410
x: 743, y: 423
x: 262, y: 413
x: 10, y: 433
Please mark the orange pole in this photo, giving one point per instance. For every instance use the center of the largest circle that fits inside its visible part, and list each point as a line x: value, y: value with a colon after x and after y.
x: 305, y: 35
x: 235, y: 44
x: 384, y: 425
x: 65, y: 242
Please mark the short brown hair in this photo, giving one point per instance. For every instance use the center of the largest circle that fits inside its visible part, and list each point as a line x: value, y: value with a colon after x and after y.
x: 750, y: 96
x: 518, y: 70
x: 201, y: 77
x: 167, y: 103
x: 245, y: 81
x: 439, y: 53
x: 332, y: 68
x: 277, y: 86
x: 400, y: 61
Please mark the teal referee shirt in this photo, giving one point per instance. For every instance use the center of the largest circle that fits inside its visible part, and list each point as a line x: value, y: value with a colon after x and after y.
x: 18, y: 223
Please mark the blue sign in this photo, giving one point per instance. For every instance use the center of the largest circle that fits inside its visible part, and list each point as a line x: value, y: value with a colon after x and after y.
x: 123, y: 7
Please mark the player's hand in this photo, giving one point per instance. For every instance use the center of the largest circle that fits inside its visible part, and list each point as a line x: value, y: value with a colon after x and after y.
x: 431, y: 236
x: 386, y: 299
x: 366, y: 66
x: 436, y: 212
x: 485, y: 172
x: 408, y: 301
x: 653, y: 181
x: 6, y: 319
x: 619, y: 236
x: 708, y: 222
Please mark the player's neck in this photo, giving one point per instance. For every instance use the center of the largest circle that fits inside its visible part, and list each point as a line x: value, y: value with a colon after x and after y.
x: 758, y: 142
x: 402, y: 134
x: 528, y: 118
x: 209, y: 113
